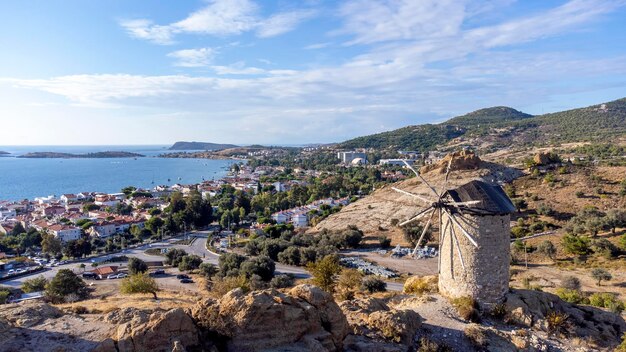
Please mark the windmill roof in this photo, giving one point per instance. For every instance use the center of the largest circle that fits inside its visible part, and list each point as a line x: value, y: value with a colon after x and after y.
x: 493, y: 199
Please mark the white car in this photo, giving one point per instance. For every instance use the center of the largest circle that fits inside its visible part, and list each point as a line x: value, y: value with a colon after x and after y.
x: 112, y: 276
x: 19, y: 271
x: 11, y: 272
x: 122, y: 275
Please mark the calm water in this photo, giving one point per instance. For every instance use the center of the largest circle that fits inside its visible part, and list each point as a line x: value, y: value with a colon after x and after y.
x: 30, y: 178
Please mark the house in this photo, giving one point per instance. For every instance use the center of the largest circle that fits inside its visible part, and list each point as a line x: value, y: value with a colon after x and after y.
x: 106, y: 200
x: 7, y: 213
x: 64, y: 232
x: 69, y: 198
x: 280, y: 217
x: 300, y: 220
x: 104, y: 271
x: 395, y: 162
x: 103, y: 230
x: 53, y: 210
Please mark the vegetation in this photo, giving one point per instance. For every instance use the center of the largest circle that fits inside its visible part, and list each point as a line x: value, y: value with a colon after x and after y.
x: 373, y: 284
x: 189, y: 262
x: 324, y: 272
x: 607, y: 300
x: 136, y: 266
x: 139, y: 283
x: 282, y: 281
x: 467, y: 308
x: 600, y: 275
x: 208, y: 270
x: 66, y: 283
x: 35, y: 284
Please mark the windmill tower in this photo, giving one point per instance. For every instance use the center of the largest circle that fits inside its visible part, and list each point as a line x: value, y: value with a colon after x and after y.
x: 474, y: 237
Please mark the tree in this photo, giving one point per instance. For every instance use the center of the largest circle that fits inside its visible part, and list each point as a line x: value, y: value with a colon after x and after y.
x: 600, y: 274
x: 413, y: 233
x: 174, y: 256
x: 51, y: 244
x: 262, y: 266
x: 574, y: 244
x: 208, y: 270
x: 547, y: 248
x: 615, y: 218
x: 189, y: 262
x: 373, y: 284
x: 324, y: 272
x: 64, y: 283
x: 139, y: 283
x: 35, y: 284
x: 82, y: 267
x: 136, y: 266
x: 230, y: 263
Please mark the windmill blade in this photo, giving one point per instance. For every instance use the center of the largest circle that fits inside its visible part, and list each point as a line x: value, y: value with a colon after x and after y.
x: 458, y: 247
x: 445, y: 186
x: 471, y: 202
x: 419, y: 215
x: 421, y: 178
x: 432, y: 214
x: 463, y: 231
x: 442, y: 236
x: 423, y: 199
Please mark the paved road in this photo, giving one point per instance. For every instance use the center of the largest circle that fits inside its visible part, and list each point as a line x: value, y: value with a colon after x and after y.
x: 198, y: 247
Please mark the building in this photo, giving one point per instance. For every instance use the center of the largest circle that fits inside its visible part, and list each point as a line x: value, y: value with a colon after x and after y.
x: 348, y: 157
x: 69, y: 198
x: 300, y: 220
x: 484, y: 274
x: 7, y: 213
x: 64, y: 232
x: 280, y: 217
x: 279, y: 186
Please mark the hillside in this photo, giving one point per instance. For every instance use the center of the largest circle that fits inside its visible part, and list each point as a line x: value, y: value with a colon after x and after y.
x: 503, y: 127
x: 200, y: 146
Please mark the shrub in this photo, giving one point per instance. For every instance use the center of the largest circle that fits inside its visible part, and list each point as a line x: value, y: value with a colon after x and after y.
x: 498, y: 311
x: 580, y: 194
x: 421, y: 285
x: 373, y: 284
x: 174, y: 256
x: 136, y: 266
x: 558, y: 323
x: 476, y: 336
x: 544, y: 209
x: 547, y: 248
x: 574, y: 244
x: 282, y: 281
x: 384, y: 242
x: 571, y: 296
x: 600, y: 274
x: 229, y: 264
x: 605, y: 248
x: 221, y: 287
x: 427, y: 345
x: 139, y: 283
x: 65, y: 282
x: 571, y: 283
x: 262, y: 266
x: 35, y: 284
x: 4, y: 296
x: 349, y: 280
x: 324, y: 272
x: 467, y: 308
x: 606, y: 300
x: 208, y: 270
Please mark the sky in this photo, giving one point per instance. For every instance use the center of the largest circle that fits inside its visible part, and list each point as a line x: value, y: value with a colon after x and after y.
x: 78, y: 72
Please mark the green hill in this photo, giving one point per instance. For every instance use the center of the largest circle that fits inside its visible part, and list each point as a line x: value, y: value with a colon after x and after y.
x: 504, y: 126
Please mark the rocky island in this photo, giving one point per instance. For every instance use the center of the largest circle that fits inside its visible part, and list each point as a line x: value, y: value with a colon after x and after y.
x: 4, y: 153
x: 55, y: 155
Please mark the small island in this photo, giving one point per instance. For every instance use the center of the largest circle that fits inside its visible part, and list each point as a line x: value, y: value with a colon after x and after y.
x: 200, y: 146
x: 4, y: 153
x: 97, y: 155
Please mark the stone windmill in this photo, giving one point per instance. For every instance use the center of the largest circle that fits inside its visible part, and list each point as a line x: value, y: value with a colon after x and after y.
x: 474, y: 237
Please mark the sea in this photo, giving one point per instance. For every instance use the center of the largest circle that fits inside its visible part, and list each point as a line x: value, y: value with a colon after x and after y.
x: 25, y: 178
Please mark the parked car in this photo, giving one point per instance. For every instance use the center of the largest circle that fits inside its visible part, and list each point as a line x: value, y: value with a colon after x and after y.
x: 11, y: 272
x: 19, y: 271
x: 158, y: 272
x: 122, y: 275
x: 182, y: 276
x: 186, y: 281
x: 93, y: 276
x: 112, y: 276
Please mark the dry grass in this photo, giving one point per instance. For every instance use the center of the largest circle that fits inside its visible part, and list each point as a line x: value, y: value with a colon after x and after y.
x: 467, y: 308
x: 476, y: 335
x: 421, y: 285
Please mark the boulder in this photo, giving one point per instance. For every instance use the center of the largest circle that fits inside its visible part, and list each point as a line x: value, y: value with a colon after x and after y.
x: 306, y: 318
x: 373, y: 318
x: 162, y: 331
x: 461, y: 160
x: 28, y: 314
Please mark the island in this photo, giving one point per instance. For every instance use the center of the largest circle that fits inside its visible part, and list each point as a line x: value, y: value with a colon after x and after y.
x: 200, y: 146
x: 4, y: 153
x: 97, y: 155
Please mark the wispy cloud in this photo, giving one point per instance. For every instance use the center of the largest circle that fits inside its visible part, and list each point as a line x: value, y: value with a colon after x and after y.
x: 219, y: 18
x: 193, y: 57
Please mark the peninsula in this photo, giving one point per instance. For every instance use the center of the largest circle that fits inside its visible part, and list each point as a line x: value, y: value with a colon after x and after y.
x: 97, y: 155
x: 200, y: 146
x: 4, y: 153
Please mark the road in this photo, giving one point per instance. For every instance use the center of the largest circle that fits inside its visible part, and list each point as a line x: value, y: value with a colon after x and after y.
x: 198, y: 247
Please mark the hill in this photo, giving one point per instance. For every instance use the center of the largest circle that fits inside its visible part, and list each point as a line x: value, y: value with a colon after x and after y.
x: 200, y: 146
x: 505, y: 127
x: 55, y: 155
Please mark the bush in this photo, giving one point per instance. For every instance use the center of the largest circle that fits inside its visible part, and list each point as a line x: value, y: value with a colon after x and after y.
x: 574, y: 244
x: 605, y: 248
x: 558, y: 323
x: 477, y: 336
x: 571, y: 296
x: 544, y: 209
x: 324, y: 272
x: 4, y: 296
x: 282, y: 281
x: 221, y: 287
x: 207, y: 270
x: 350, y: 280
x: 498, y: 311
x: 189, y: 262
x: 427, y: 345
x: 580, y: 194
x: 174, y: 256
x: 373, y: 284
x: 384, y: 242
x: 571, y: 283
x: 606, y: 300
x: 547, y: 248
x: 601, y: 275
x: 229, y: 264
x: 64, y: 283
x: 421, y: 285
x: 467, y: 308
x: 136, y: 266
x: 262, y: 266
x: 35, y: 284
x: 139, y: 283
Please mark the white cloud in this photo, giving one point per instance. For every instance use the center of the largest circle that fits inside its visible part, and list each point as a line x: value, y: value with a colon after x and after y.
x: 193, y: 57
x: 219, y: 18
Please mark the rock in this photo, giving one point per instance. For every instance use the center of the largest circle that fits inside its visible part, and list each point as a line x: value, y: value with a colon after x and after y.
x: 371, y: 317
x: 158, y: 333
x: 358, y: 343
x: 125, y: 315
x: 545, y: 158
x: 28, y: 314
x: 107, y: 345
x: 461, y: 160
x: 306, y: 318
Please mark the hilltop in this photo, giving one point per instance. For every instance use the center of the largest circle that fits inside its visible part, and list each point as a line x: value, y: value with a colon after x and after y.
x: 200, y: 146
x: 504, y: 127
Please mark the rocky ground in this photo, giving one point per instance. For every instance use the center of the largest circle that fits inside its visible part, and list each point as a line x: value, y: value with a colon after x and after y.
x: 305, y: 318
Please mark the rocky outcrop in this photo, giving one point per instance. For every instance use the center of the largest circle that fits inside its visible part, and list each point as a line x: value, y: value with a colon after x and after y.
x: 27, y: 314
x: 531, y: 309
x: 305, y: 319
x: 373, y: 318
x: 461, y: 160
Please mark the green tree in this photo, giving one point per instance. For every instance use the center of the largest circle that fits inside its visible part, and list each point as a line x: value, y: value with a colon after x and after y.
x: 208, y: 270
x: 229, y: 264
x: 35, y: 284
x: 139, y: 283
x: 577, y: 245
x: 136, y: 266
x: 65, y: 282
x: 324, y: 272
x: 262, y: 266
x: 51, y: 244
x: 600, y: 275
x: 189, y: 262
x: 174, y: 256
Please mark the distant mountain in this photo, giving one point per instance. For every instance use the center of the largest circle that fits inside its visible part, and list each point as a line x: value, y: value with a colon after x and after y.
x: 98, y: 155
x: 503, y: 127
x: 200, y: 146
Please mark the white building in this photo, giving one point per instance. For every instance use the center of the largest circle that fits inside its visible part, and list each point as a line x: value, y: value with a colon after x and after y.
x: 279, y: 186
x: 69, y: 198
x: 280, y: 218
x: 65, y: 233
x: 347, y: 157
x: 7, y: 213
x: 300, y: 220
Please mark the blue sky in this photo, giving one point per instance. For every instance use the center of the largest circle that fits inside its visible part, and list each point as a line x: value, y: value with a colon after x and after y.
x: 292, y: 72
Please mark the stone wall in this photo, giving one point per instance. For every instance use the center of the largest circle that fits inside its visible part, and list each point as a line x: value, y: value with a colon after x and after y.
x: 486, y: 273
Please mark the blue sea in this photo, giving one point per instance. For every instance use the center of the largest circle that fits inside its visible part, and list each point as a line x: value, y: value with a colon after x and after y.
x: 29, y: 178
